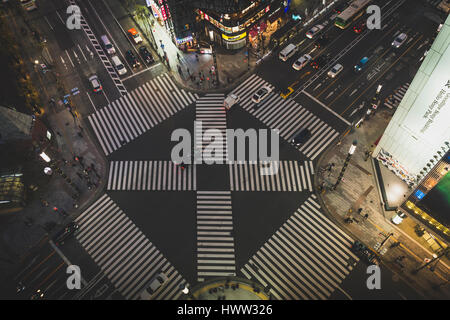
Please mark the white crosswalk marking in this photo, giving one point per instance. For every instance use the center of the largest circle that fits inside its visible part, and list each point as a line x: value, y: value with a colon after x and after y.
x: 307, y: 258
x: 151, y: 175
x: 123, y: 252
x: 287, y: 116
x: 210, y: 114
x: 251, y: 176
x: 215, y: 240
x: 137, y: 112
x: 396, y: 97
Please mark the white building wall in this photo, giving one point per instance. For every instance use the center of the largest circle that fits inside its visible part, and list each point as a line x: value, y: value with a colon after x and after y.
x: 420, y: 126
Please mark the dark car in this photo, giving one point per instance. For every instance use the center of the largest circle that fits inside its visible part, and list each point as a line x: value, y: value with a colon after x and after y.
x: 339, y: 8
x: 320, y: 61
x: 322, y: 42
x: 65, y: 233
x: 131, y: 58
x: 360, y: 27
x: 301, y: 137
x: 146, y: 55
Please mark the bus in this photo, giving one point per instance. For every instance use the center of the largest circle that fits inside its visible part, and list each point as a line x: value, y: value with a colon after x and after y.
x: 28, y: 5
x: 353, y: 12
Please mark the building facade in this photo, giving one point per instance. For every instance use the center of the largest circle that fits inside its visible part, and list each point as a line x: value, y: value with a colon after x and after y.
x: 416, y: 143
x: 419, y: 133
x: 229, y: 23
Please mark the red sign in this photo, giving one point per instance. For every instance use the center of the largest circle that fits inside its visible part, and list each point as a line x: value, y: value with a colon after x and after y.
x: 163, y: 12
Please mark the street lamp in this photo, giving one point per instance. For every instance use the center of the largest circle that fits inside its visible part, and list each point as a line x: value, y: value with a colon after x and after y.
x: 347, y: 160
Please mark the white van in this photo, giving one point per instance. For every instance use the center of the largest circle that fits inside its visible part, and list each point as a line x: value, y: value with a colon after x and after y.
x: 288, y: 52
x: 108, y: 45
x: 119, y: 65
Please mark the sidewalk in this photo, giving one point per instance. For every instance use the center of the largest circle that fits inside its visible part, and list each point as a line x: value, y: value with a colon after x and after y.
x: 359, y: 189
x: 73, y: 184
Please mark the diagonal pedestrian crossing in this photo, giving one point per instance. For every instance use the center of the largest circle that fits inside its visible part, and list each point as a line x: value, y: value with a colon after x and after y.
x: 210, y: 115
x: 151, y: 176
x: 215, y: 239
x: 287, y: 116
x: 123, y: 252
x: 271, y: 176
x: 307, y: 258
x: 394, y: 100
x: 134, y: 114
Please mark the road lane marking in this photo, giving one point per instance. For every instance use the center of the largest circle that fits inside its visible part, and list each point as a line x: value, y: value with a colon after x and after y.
x: 326, y: 107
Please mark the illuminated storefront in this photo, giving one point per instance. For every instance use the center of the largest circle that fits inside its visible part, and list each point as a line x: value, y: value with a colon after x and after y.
x: 233, y: 30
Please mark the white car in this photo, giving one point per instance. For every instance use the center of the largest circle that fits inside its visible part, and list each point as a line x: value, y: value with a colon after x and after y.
x: 301, y: 62
x: 261, y: 94
x: 230, y: 101
x: 399, y: 40
x: 314, y: 31
x: 335, y: 70
x: 153, y: 285
x: 398, y: 218
x: 95, y: 83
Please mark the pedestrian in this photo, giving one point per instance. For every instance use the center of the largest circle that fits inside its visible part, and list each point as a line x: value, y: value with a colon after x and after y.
x: 187, y: 69
x: 360, y: 210
x: 366, y: 216
x: 58, y: 133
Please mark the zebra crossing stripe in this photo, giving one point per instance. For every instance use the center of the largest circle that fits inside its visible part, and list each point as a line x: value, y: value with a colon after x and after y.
x: 215, y: 240
x: 307, y: 258
x: 134, y: 114
x: 210, y: 114
x: 287, y: 116
x: 123, y: 252
x: 291, y: 176
x: 150, y: 175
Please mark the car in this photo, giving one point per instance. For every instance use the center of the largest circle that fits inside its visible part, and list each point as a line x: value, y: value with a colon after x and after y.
x: 95, y: 83
x: 398, y: 218
x: 339, y: 8
x: 322, y: 42
x: 153, y: 285
x: 230, y: 101
x: 301, y: 62
x: 320, y: 61
x: 314, y: 31
x: 360, y: 27
x: 335, y: 70
x: 361, y: 64
x: 301, y: 137
x: 133, y: 34
x: 146, y: 55
x: 65, y: 233
x: 399, y: 40
x: 132, y: 60
x: 261, y: 94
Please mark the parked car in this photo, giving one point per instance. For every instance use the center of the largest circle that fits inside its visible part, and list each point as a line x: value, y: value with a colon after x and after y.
x: 261, y: 94
x: 133, y: 34
x: 146, y: 55
x: 339, y: 8
x: 399, y: 40
x: 153, y: 285
x: 131, y: 58
x: 65, y: 233
x: 314, y: 31
x: 301, y: 62
x: 335, y: 70
x: 322, y: 42
x: 320, y: 61
x: 95, y: 83
x: 360, y: 27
